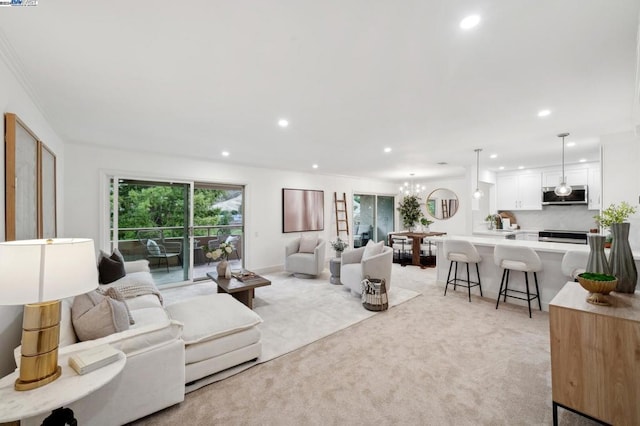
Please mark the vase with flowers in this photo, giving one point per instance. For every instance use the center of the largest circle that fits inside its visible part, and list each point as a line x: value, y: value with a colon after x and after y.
x: 222, y: 252
x: 339, y: 246
x: 621, y: 260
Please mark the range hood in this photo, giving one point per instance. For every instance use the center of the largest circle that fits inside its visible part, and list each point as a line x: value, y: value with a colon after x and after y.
x: 579, y: 195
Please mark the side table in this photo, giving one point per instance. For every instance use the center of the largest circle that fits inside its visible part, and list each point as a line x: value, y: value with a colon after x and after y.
x: 334, y: 267
x: 69, y: 387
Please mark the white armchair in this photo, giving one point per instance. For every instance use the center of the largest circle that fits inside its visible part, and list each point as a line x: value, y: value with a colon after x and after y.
x: 355, y: 267
x: 304, y: 261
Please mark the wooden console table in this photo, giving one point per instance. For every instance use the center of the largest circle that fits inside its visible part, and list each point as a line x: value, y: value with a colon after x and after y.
x: 594, y: 355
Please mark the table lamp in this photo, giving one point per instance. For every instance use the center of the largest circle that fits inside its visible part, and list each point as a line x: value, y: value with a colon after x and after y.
x: 37, y: 274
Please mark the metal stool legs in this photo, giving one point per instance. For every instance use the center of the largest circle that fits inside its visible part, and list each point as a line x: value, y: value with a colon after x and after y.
x: 504, y: 282
x: 465, y: 283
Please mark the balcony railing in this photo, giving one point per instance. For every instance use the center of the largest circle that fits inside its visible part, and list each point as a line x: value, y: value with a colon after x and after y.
x: 132, y: 247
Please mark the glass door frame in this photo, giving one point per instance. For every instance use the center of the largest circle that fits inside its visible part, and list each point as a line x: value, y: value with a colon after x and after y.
x: 109, y: 234
x: 375, y: 196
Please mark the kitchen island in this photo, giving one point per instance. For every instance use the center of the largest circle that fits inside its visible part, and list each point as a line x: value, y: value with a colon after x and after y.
x: 550, y: 279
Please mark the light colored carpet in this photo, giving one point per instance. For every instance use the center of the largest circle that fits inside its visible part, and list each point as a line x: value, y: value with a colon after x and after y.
x: 295, y: 312
x: 434, y: 360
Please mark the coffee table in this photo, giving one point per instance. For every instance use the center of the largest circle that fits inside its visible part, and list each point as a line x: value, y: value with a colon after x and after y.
x: 243, y: 291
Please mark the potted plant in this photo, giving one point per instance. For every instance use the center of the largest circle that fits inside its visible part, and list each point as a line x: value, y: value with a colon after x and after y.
x: 425, y: 224
x: 620, y: 258
x: 339, y: 246
x: 491, y: 220
x: 410, y: 212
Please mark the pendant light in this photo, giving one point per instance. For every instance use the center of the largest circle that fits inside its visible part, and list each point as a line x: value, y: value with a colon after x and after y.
x: 477, y: 194
x: 563, y: 189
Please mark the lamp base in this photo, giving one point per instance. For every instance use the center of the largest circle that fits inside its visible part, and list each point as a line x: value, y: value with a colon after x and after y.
x: 21, y: 385
x: 40, y: 337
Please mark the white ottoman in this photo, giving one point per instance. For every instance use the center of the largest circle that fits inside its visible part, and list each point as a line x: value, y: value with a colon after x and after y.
x: 219, y: 332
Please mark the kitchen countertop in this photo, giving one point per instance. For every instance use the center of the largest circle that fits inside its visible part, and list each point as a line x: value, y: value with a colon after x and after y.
x: 541, y: 246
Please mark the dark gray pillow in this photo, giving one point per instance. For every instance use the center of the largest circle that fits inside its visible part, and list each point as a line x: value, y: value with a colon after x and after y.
x: 110, y: 270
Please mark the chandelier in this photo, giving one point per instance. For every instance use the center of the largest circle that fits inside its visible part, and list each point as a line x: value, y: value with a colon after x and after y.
x: 409, y: 188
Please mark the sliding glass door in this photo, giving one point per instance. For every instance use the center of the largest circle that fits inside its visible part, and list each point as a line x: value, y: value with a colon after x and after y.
x: 174, y: 225
x: 372, y: 218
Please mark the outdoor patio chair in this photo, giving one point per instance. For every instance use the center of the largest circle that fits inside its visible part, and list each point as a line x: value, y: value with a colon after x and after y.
x: 158, y: 248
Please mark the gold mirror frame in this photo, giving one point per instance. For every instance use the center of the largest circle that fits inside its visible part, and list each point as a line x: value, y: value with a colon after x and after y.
x: 444, y: 207
x: 30, y: 184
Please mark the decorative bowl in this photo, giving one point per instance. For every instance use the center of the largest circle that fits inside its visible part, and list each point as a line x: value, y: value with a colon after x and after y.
x: 598, y: 288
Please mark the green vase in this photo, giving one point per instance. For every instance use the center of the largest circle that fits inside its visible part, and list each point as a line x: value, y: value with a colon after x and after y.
x: 621, y: 259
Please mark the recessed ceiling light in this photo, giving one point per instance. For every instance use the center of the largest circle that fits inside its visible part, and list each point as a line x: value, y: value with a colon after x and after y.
x: 315, y: 166
x: 493, y: 156
x: 520, y: 167
x: 544, y: 113
x: 387, y: 149
x: 570, y: 144
x: 283, y: 123
x: 441, y: 163
x: 583, y: 160
x: 470, y: 22
x: 501, y: 168
x: 225, y: 153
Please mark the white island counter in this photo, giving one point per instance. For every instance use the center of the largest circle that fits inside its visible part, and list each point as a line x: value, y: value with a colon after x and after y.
x: 550, y: 279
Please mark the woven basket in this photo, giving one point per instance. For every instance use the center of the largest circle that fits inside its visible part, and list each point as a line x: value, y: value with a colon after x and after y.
x: 374, y: 294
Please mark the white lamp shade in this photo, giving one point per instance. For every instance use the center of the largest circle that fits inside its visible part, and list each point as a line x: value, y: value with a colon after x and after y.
x: 34, y: 271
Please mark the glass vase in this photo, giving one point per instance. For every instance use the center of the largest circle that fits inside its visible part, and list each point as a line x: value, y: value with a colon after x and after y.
x: 621, y: 259
x: 597, y: 262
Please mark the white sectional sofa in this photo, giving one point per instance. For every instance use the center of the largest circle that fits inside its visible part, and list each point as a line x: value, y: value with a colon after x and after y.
x: 154, y: 375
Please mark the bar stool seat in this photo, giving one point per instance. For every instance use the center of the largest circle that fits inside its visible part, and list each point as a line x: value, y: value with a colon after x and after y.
x: 461, y: 251
x: 574, y: 263
x: 517, y: 258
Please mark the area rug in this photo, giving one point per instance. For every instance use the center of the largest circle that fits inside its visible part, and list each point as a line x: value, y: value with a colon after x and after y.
x: 298, y: 311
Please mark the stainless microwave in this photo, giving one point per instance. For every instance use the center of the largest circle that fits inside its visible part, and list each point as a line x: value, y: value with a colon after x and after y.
x: 579, y: 195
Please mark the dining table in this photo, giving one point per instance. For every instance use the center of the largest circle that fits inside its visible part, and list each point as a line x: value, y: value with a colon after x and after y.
x: 417, y: 238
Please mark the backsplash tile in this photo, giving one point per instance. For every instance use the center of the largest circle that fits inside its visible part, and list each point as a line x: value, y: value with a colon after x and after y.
x: 572, y: 218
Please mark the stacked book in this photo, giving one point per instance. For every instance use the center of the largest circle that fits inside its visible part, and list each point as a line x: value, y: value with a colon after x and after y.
x: 86, y: 361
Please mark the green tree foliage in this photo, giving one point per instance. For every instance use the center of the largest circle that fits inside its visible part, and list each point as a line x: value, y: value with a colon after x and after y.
x: 144, y: 206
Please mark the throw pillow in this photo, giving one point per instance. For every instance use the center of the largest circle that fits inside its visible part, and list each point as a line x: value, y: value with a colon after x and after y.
x: 153, y: 248
x: 95, y: 316
x: 372, y: 249
x: 115, y: 294
x: 308, y: 244
x: 110, y: 270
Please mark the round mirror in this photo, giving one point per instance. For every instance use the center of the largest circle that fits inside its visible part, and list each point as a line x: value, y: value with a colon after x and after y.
x: 442, y: 203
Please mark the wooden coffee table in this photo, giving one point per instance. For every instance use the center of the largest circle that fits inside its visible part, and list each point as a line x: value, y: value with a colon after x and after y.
x: 243, y: 291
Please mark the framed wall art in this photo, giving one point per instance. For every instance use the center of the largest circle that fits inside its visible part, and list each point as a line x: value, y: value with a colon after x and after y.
x: 30, y: 184
x: 302, y: 210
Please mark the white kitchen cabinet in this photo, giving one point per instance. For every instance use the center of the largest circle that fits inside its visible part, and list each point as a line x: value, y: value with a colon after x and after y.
x: 595, y: 189
x: 574, y: 177
x: 519, y: 191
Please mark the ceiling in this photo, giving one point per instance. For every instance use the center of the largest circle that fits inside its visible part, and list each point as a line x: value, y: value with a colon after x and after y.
x: 351, y: 77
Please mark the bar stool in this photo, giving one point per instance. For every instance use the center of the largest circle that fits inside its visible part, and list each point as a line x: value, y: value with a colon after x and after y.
x: 517, y: 258
x: 461, y: 251
x: 574, y: 263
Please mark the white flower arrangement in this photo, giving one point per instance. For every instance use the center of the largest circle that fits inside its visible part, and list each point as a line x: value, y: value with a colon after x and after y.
x: 223, y: 251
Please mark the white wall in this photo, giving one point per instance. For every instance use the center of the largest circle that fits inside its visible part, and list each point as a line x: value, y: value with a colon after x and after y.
x: 621, y: 176
x: 14, y: 99
x: 263, y: 204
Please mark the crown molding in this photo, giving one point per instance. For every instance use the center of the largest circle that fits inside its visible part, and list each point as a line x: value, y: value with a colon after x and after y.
x: 14, y: 64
